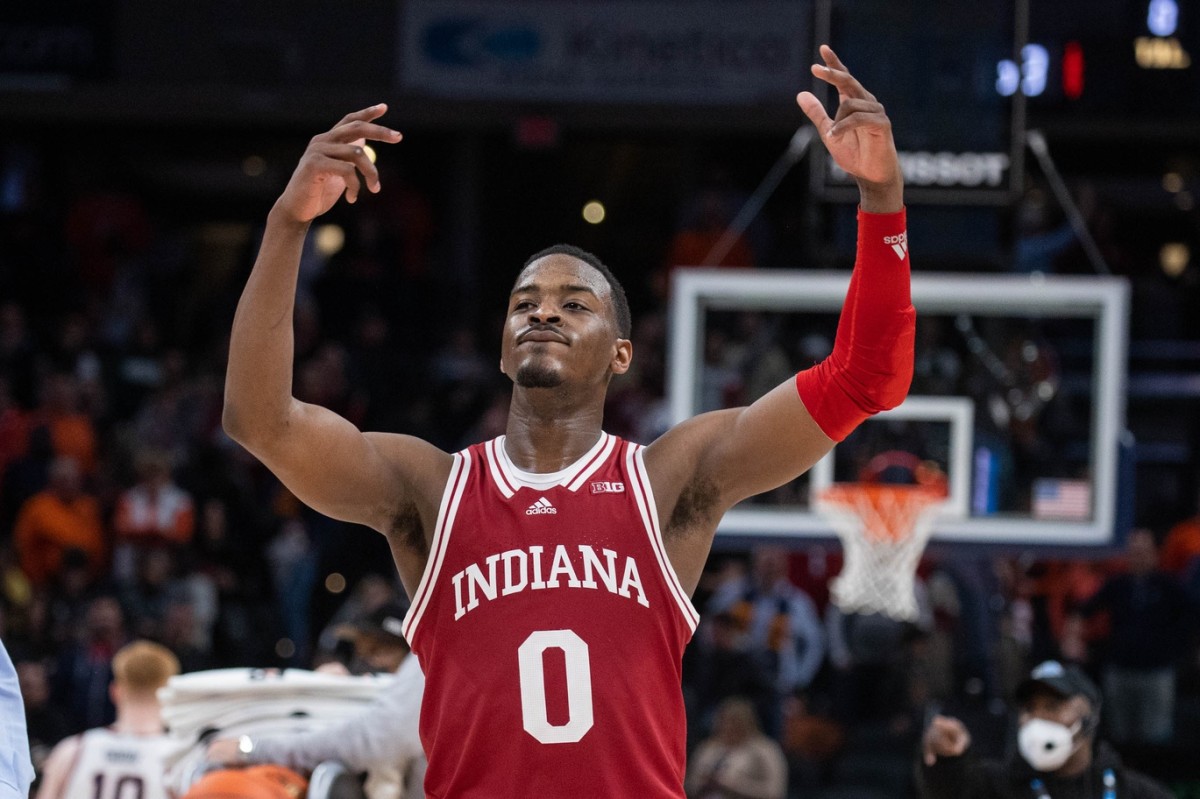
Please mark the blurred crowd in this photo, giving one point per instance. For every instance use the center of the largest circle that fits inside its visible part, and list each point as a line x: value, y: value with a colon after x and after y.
x: 125, y: 511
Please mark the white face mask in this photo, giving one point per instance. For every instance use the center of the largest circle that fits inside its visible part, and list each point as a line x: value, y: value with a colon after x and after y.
x: 1046, y: 745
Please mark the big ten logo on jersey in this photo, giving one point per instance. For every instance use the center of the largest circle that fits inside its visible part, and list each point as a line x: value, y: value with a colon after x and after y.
x: 605, y: 487
x: 535, y: 569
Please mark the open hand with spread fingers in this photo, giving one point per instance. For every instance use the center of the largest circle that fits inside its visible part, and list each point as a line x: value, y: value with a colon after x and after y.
x: 859, y: 136
x: 332, y: 163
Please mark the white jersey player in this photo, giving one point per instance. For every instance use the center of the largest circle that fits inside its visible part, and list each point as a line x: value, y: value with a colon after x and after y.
x: 125, y: 760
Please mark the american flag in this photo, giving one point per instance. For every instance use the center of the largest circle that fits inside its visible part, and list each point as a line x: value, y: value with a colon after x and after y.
x: 1062, y: 499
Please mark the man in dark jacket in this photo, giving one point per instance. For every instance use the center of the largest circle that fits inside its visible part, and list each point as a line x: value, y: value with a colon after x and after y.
x: 1057, y: 756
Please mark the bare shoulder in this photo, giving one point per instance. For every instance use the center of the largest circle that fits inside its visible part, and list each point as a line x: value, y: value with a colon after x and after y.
x: 687, y: 496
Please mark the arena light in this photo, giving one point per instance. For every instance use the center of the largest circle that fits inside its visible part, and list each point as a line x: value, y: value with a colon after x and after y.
x: 329, y: 239
x: 254, y: 165
x: 370, y: 151
x: 1174, y: 258
x: 593, y: 212
x: 1029, y: 76
x: 335, y: 583
x: 1162, y: 17
x: 1173, y: 182
x: 1155, y: 52
x: 1072, y: 70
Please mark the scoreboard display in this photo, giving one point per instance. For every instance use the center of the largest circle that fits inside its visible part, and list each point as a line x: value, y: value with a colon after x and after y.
x: 1112, y: 59
x: 962, y: 81
x: 933, y: 65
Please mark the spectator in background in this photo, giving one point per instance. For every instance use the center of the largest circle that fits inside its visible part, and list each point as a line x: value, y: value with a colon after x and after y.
x: 228, y: 577
x: 14, y: 427
x: 146, y: 595
x: 182, y: 635
x: 1181, y: 549
x: 17, y: 353
x: 871, y: 657
x: 67, y: 597
x: 138, y: 370
x: 782, y: 630
x: 16, y: 592
x: 370, y: 594
x: 811, y: 741
x: 16, y: 769
x: 154, y: 513
x: 133, y: 749
x: 1059, y: 713
x: 84, y: 670
x: 738, y: 761
x: 56, y: 520
x: 721, y: 668
x: 293, y: 559
x: 26, y: 475
x: 1151, y: 618
x: 74, y: 354
x: 1040, y: 240
x: 45, y: 723
x: 71, y: 431
x: 695, y: 242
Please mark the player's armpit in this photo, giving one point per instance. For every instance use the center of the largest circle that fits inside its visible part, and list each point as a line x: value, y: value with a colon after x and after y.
x: 705, y: 465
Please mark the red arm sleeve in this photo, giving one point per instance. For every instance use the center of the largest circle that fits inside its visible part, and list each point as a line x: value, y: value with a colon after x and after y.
x: 871, y: 366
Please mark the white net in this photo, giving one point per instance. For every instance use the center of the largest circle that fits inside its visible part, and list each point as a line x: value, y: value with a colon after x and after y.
x: 884, y: 529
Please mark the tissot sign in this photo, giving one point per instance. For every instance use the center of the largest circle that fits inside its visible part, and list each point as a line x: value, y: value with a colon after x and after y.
x: 731, y: 53
x: 936, y: 67
x: 942, y: 169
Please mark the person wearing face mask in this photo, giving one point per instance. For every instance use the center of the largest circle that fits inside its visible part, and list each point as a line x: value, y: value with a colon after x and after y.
x: 1057, y: 754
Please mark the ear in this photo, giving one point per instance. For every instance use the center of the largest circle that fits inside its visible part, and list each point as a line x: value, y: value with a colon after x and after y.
x: 114, y: 693
x: 622, y: 356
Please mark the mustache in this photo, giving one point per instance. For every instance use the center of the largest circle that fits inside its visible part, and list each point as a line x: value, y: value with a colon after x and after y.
x: 541, y: 328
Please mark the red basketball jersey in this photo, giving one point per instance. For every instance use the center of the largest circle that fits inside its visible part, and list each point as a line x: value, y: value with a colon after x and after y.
x: 551, y: 626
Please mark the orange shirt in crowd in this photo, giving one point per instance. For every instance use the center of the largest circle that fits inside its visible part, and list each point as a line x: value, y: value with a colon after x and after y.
x: 47, y: 526
x: 164, y: 514
x: 73, y: 435
x: 1181, y: 546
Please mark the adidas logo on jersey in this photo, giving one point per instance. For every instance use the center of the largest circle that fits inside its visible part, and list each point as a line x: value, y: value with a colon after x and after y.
x: 899, y: 244
x: 541, y: 506
x: 605, y: 487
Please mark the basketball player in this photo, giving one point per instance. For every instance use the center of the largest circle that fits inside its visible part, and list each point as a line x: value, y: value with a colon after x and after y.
x: 125, y: 760
x: 550, y: 568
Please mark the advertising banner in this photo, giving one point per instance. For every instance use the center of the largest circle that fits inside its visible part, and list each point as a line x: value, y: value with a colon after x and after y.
x: 724, y: 53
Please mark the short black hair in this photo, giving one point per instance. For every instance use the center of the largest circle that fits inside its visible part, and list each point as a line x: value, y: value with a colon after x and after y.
x: 619, y: 300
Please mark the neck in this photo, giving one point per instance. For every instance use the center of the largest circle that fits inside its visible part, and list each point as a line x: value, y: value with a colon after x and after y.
x: 139, y: 718
x: 1079, y: 761
x: 549, y: 430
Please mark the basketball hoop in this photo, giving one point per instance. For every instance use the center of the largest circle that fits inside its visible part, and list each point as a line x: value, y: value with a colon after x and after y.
x: 883, y: 529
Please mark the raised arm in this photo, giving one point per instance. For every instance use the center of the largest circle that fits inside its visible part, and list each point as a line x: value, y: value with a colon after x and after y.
x: 706, y: 465
x: 371, y: 479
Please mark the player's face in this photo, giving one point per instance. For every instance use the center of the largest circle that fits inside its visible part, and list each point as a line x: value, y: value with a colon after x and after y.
x: 560, y: 327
